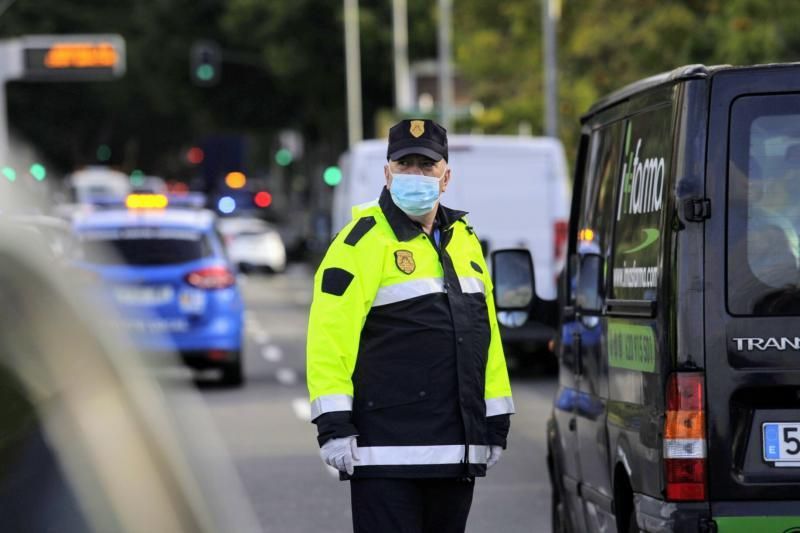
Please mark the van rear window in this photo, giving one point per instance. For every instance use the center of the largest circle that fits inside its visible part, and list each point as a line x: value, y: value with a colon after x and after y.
x: 764, y: 206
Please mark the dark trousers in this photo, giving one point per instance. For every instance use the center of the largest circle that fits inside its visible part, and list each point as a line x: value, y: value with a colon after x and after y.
x: 410, y: 505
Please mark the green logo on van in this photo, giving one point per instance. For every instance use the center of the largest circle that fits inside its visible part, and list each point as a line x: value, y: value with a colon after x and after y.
x: 651, y: 235
x: 631, y: 346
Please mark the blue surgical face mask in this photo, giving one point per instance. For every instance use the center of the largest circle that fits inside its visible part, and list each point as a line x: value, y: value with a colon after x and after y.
x: 415, y: 194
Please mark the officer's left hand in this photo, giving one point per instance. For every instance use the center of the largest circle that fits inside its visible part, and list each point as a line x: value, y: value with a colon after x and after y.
x: 495, y: 453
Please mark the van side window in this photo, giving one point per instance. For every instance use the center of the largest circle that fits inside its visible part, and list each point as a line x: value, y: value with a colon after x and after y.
x: 764, y: 206
x: 641, y: 202
x: 597, y: 204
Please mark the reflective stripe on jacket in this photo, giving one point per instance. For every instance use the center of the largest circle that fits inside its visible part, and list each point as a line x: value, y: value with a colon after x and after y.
x: 404, y: 349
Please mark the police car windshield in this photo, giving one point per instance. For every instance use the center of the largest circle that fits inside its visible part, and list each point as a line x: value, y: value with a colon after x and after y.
x: 145, y: 246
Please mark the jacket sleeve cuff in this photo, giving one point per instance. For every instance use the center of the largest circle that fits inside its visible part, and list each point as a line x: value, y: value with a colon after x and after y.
x: 497, y: 429
x: 334, y: 425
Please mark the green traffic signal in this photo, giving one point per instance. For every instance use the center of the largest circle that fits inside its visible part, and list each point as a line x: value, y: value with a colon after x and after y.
x: 332, y: 176
x: 38, y: 171
x: 137, y: 178
x: 205, y: 63
x: 103, y: 153
x: 284, y: 157
x: 205, y: 73
x: 9, y: 173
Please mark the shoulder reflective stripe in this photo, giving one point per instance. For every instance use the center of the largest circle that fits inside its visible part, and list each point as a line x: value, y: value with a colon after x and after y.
x: 500, y: 406
x: 472, y: 285
x: 420, y: 455
x: 330, y: 403
x: 407, y: 290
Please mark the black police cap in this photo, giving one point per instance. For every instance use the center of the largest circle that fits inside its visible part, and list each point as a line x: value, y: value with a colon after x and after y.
x: 417, y: 136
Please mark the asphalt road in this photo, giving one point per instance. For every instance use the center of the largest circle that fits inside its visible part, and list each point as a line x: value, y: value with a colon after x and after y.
x: 266, y: 428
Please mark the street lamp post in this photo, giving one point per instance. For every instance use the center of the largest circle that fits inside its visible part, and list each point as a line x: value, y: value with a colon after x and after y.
x: 402, y: 76
x: 445, y: 63
x: 551, y: 12
x: 353, y: 66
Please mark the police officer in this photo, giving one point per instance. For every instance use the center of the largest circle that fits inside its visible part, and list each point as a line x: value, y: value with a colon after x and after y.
x: 406, y: 373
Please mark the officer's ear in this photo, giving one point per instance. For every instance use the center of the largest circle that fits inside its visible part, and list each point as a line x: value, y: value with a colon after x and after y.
x: 445, y: 180
x: 387, y: 175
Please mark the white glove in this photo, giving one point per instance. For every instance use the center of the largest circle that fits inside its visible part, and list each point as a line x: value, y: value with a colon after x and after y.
x: 495, y: 453
x: 340, y: 453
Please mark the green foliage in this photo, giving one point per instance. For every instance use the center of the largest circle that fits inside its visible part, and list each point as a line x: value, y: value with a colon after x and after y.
x: 284, y: 66
x: 604, y: 45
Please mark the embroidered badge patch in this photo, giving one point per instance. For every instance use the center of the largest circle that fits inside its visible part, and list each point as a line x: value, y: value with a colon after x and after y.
x: 405, y: 261
x: 417, y: 128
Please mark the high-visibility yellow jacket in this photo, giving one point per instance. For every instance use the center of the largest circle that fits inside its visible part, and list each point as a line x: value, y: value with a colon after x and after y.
x: 403, y: 346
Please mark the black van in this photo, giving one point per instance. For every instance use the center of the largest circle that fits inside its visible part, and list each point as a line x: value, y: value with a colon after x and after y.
x: 678, y: 407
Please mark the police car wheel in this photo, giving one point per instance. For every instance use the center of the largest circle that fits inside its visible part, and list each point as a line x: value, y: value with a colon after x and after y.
x: 232, y: 373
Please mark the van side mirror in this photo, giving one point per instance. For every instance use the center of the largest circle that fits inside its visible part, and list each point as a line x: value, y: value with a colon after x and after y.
x: 588, y: 293
x: 514, y: 283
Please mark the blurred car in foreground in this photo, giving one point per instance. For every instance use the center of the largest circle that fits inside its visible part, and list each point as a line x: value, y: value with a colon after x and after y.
x: 165, y: 268
x: 253, y: 243
x: 56, y: 232
x: 89, y: 442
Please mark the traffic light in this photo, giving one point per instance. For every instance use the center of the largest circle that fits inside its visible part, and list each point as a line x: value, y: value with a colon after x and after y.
x: 38, y: 171
x: 103, y: 153
x: 195, y: 155
x: 137, y: 178
x: 284, y: 157
x: 205, y: 63
x: 332, y: 176
x: 235, y: 180
x: 262, y: 199
x: 9, y: 173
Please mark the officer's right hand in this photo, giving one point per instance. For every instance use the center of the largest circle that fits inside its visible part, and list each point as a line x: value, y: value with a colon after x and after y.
x: 340, y: 453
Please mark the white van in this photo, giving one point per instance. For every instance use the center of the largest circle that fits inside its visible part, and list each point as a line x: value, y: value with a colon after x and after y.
x: 98, y: 183
x: 515, y: 190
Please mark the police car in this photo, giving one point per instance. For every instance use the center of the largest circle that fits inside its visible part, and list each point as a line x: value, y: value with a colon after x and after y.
x: 165, y: 268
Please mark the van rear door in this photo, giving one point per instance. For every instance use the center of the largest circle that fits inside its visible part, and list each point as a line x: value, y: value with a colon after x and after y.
x: 752, y: 302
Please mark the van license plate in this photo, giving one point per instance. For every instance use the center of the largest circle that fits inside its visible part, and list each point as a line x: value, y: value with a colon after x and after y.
x: 782, y: 443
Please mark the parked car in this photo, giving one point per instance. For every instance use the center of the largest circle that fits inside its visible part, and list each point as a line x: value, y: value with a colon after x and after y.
x: 515, y: 190
x: 89, y: 441
x: 166, y: 269
x: 56, y: 232
x: 677, y: 408
x: 253, y: 243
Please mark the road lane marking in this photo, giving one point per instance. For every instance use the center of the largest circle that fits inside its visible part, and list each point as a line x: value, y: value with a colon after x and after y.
x: 260, y: 336
x: 286, y: 376
x: 302, y: 297
x: 272, y: 353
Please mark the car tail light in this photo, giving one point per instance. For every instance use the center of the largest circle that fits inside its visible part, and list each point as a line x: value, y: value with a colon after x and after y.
x: 560, y: 228
x: 685, y: 438
x: 215, y: 277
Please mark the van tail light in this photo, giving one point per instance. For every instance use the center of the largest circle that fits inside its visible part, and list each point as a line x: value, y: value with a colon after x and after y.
x: 685, y: 438
x: 560, y: 228
x: 215, y: 277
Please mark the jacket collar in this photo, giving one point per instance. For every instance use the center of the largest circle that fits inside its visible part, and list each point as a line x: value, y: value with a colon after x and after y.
x: 406, y: 229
